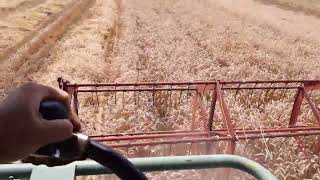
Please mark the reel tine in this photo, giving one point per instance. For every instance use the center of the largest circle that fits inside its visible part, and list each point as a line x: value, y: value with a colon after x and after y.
x: 107, y: 98
x: 273, y: 92
x: 123, y: 99
x: 97, y: 96
x: 237, y: 91
x: 166, y: 97
x: 188, y: 93
x: 138, y: 98
x: 251, y: 93
x: 91, y: 101
x: 179, y: 99
x: 134, y: 95
x: 286, y: 90
x: 170, y: 96
x: 115, y: 94
x: 265, y: 95
x: 260, y: 95
x: 153, y: 95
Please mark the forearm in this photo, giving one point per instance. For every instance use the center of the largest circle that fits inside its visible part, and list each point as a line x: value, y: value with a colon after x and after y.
x: 2, y: 124
x: 12, y: 130
x: 4, y: 156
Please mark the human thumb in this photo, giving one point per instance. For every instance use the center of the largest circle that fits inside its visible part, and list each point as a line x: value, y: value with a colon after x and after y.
x: 55, y: 131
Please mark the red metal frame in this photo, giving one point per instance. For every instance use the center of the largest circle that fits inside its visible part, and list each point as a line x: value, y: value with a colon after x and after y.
x: 201, y: 115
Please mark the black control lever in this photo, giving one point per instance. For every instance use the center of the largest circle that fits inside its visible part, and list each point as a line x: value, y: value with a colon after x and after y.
x: 79, y: 146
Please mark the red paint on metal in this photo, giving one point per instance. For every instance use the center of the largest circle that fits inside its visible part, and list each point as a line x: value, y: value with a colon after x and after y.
x: 226, y: 117
x: 312, y: 106
x: 310, y: 86
x: 215, y: 131
x: 214, y: 139
x: 296, y: 107
x: 131, y: 89
x: 195, y: 83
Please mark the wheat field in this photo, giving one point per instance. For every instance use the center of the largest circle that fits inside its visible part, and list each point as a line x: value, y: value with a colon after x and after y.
x: 176, y: 40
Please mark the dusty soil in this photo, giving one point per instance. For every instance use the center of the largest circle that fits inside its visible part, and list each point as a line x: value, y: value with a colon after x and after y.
x: 176, y: 40
x: 18, y: 24
x: 309, y: 7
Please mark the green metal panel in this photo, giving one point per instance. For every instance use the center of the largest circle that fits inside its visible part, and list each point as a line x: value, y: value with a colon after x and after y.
x: 53, y: 173
x: 157, y: 164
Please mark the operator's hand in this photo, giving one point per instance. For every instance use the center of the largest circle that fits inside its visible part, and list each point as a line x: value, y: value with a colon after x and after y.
x: 22, y: 129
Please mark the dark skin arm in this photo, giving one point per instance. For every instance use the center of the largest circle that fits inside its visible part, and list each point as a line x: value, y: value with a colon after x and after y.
x: 22, y: 129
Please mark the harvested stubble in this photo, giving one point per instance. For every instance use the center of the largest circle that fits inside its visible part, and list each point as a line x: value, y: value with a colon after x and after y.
x: 309, y: 7
x: 15, y: 27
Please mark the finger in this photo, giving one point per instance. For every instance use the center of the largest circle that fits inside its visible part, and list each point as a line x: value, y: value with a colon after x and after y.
x: 41, y: 93
x: 49, y: 93
x: 54, y: 131
x: 75, y: 121
x: 58, y: 94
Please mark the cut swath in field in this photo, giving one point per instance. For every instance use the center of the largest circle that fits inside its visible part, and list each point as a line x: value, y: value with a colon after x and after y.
x: 40, y: 44
x: 7, y: 8
x: 83, y: 53
x: 309, y: 7
x: 22, y: 25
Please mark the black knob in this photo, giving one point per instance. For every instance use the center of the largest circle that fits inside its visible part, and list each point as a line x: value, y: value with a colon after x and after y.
x: 53, y: 110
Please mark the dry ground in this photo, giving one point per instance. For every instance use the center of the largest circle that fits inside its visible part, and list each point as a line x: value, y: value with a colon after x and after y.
x: 171, y: 40
x: 309, y: 7
x: 22, y: 19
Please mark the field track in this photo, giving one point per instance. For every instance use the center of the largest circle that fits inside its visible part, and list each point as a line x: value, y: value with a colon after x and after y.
x: 18, y: 6
x: 21, y: 25
x: 38, y: 42
x: 96, y: 41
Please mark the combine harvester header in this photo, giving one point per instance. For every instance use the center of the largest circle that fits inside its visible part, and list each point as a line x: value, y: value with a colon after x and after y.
x: 211, y: 116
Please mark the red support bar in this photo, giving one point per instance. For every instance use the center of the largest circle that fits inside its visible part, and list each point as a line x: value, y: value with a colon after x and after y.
x: 231, y: 146
x: 195, y: 83
x: 212, y: 109
x: 296, y: 107
x: 249, y: 133
x: 312, y: 106
x: 214, y: 139
x: 310, y: 86
x: 218, y: 131
x: 146, y: 89
x: 222, y: 132
x: 225, y: 111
